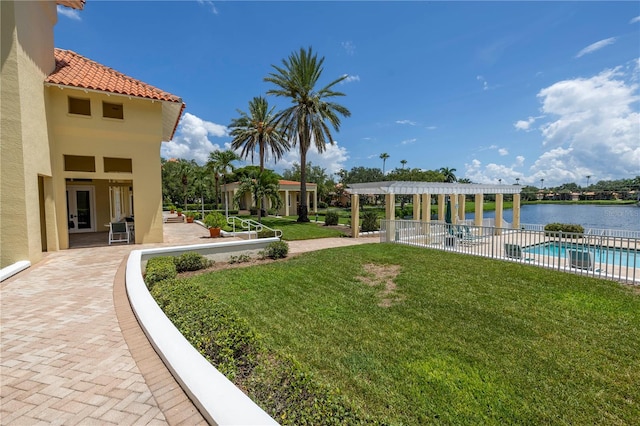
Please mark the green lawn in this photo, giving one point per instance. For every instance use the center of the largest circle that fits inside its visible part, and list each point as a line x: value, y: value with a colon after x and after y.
x: 292, y: 230
x: 415, y: 336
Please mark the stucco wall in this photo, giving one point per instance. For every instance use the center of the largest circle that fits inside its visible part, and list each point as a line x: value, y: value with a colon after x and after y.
x: 27, y: 56
x: 137, y: 137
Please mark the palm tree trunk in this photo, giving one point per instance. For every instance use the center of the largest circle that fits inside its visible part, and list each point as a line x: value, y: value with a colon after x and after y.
x: 303, y: 210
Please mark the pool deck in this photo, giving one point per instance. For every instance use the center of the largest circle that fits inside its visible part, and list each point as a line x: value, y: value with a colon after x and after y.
x: 72, y: 351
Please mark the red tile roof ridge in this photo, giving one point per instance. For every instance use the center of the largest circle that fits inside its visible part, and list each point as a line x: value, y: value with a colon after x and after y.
x: 73, y: 69
x: 293, y: 182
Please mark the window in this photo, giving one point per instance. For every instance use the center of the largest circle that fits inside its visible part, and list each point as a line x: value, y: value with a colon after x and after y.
x: 118, y: 165
x: 79, y: 163
x: 110, y: 110
x: 79, y: 106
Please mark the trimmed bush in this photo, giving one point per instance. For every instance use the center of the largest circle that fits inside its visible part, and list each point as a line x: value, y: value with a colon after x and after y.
x: 158, y: 269
x: 191, y: 262
x: 331, y: 218
x: 551, y: 229
x: 277, y: 250
x: 266, y: 233
x: 370, y: 221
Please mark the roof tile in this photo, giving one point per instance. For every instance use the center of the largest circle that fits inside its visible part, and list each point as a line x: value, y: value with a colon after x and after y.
x: 75, y: 70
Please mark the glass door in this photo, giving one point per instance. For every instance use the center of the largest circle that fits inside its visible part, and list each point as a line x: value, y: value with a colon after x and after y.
x: 80, y: 202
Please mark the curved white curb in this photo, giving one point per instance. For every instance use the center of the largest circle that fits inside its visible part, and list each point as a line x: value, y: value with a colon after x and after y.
x: 217, y: 398
x: 11, y: 270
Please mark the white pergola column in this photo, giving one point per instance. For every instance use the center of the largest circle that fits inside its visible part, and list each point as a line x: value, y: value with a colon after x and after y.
x: 287, y: 202
x: 441, y: 206
x: 516, y: 211
x: 416, y: 206
x: 390, y: 214
x: 461, y: 207
x: 315, y: 200
x: 499, y: 207
x: 426, y: 207
x: 355, y: 215
x: 479, y: 200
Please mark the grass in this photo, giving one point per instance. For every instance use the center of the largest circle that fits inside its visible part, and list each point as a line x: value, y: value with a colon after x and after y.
x: 292, y: 230
x: 415, y: 336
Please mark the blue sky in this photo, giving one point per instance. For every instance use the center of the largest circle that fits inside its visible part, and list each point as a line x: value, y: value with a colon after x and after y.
x: 496, y: 90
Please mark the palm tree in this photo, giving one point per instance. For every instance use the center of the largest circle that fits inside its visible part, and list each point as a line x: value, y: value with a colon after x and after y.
x: 307, y: 120
x: 384, y: 156
x: 220, y: 163
x: 258, y: 129
x: 404, y: 163
x: 263, y: 186
x: 448, y: 174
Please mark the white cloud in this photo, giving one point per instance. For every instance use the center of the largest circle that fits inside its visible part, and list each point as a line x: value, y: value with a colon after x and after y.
x: 349, y: 47
x: 332, y: 159
x: 431, y: 127
x: 591, y: 128
x: 408, y: 141
x: 191, y: 141
x: 409, y: 122
x: 503, y: 152
x: 350, y: 79
x: 210, y: 4
x: 634, y: 20
x: 525, y: 124
x: 485, y: 85
x: 69, y: 13
x: 596, y: 46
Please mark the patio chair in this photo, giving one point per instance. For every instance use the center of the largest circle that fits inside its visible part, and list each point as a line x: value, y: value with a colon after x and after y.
x: 581, y: 259
x: 119, y: 232
x: 514, y: 251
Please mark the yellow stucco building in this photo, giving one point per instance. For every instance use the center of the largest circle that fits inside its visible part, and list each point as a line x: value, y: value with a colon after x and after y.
x: 80, y: 142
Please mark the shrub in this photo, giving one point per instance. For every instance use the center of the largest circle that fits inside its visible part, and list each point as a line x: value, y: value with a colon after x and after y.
x: 158, y: 269
x: 253, y: 211
x: 322, y: 205
x: 551, y: 229
x: 241, y: 258
x: 370, y: 221
x: 191, y: 262
x: 277, y: 250
x: 215, y: 220
x: 331, y: 218
x: 266, y: 233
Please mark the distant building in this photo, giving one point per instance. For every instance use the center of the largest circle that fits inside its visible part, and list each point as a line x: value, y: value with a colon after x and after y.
x: 289, y: 192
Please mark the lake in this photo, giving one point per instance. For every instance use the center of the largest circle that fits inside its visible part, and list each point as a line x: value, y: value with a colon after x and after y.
x: 588, y: 215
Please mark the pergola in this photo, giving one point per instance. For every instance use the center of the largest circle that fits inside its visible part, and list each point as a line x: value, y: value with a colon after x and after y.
x: 422, y: 191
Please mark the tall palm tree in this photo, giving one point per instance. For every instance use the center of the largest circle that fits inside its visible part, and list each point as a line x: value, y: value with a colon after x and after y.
x: 404, y: 163
x: 308, y: 119
x: 258, y: 129
x: 448, y: 174
x: 384, y: 156
x: 221, y: 163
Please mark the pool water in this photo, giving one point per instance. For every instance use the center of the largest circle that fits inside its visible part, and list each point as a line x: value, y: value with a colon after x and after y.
x: 601, y: 254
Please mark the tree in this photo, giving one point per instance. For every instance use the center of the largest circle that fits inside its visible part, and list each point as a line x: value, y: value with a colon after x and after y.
x: 315, y: 174
x: 221, y: 163
x: 258, y: 129
x: 307, y: 120
x: 404, y: 163
x: 262, y: 186
x: 448, y: 174
x: 384, y: 156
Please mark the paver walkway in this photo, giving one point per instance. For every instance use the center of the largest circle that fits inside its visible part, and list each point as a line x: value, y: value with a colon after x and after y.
x: 72, y: 351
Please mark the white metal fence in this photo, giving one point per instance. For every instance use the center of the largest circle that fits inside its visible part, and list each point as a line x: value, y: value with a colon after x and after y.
x: 597, y: 254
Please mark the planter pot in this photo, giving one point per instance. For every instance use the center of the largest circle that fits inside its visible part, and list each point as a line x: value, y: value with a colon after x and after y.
x: 214, y: 232
x: 189, y: 219
x: 179, y: 214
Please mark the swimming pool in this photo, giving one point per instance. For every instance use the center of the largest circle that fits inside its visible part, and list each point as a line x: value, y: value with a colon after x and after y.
x: 601, y: 254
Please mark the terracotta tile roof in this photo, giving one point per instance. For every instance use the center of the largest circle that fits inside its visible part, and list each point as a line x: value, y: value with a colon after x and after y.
x: 77, y: 71
x: 74, y: 4
x: 293, y: 182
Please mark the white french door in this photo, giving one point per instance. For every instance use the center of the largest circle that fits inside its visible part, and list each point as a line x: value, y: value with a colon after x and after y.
x: 81, y: 209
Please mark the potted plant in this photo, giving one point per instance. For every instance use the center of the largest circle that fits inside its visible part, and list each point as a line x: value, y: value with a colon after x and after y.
x: 172, y: 209
x: 179, y: 210
x: 191, y: 215
x: 214, y: 221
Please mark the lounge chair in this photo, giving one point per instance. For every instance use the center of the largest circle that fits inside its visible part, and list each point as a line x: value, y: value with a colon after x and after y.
x: 581, y: 259
x: 514, y: 251
x: 119, y: 232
